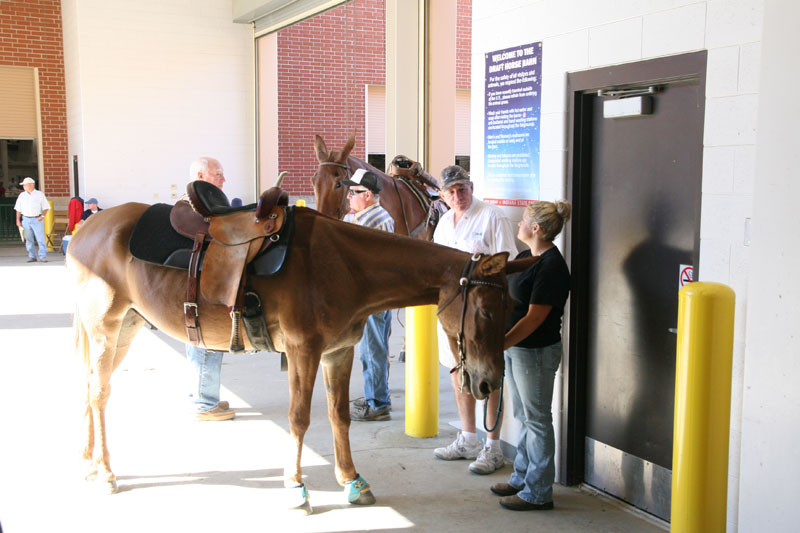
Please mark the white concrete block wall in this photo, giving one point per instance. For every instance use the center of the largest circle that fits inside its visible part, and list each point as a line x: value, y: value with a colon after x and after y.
x: 585, y: 34
x: 771, y: 407
x: 69, y: 21
x: 157, y: 84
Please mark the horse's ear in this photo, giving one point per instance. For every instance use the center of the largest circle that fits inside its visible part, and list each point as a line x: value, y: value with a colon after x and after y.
x: 351, y: 141
x: 520, y: 265
x: 320, y: 149
x: 494, y: 264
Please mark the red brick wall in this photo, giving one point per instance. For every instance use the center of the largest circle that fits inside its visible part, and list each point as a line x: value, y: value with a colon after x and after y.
x: 323, y: 65
x: 31, y: 36
x: 464, y: 44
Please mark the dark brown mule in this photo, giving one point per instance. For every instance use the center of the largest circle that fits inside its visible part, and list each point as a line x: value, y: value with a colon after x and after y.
x: 410, y: 217
x: 336, y: 275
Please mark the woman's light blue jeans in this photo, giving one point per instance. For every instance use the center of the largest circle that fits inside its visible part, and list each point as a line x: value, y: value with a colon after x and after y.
x: 373, y: 350
x: 530, y: 376
x: 207, y: 367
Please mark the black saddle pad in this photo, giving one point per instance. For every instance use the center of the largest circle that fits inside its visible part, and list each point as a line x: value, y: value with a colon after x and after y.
x: 272, y: 260
x: 153, y: 238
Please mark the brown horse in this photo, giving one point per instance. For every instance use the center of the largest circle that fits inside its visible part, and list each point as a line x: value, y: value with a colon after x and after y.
x: 335, y: 276
x: 410, y: 217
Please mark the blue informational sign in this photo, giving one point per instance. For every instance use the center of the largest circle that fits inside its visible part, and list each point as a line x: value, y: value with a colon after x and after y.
x: 512, y: 118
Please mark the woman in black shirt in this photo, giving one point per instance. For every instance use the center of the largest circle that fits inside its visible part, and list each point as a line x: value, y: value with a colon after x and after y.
x: 533, y: 354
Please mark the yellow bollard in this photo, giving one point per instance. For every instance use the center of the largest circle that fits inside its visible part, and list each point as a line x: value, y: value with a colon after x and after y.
x: 300, y: 202
x: 49, y: 220
x: 422, y: 372
x: 702, y: 408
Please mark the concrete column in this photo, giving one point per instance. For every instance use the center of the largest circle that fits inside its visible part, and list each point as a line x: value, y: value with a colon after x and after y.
x: 267, y: 109
x: 404, y: 79
x: 441, y: 85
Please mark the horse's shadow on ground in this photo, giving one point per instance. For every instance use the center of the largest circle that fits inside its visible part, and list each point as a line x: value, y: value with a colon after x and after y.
x: 269, y: 479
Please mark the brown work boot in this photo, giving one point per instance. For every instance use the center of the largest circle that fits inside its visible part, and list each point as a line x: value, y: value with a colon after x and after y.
x: 216, y: 414
x: 504, y: 489
x: 223, y: 405
x: 515, y: 503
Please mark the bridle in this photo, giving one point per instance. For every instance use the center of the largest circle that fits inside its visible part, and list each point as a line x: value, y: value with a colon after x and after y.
x: 339, y: 183
x: 466, y: 282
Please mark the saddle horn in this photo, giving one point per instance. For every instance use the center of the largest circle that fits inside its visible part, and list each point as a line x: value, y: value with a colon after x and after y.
x: 269, y: 199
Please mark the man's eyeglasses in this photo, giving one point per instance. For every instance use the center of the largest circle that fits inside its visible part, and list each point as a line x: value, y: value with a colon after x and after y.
x: 353, y: 192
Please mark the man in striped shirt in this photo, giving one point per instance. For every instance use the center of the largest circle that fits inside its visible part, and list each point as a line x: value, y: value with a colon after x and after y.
x: 373, y: 349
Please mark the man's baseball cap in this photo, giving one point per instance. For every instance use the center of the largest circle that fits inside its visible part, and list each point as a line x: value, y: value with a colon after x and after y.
x: 453, y: 175
x: 91, y: 201
x: 366, y: 179
x: 27, y: 181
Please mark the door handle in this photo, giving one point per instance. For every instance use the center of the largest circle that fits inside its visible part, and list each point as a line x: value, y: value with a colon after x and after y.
x: 673, y: 330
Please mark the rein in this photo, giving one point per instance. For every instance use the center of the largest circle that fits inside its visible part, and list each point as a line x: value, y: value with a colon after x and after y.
x: 402, y: 206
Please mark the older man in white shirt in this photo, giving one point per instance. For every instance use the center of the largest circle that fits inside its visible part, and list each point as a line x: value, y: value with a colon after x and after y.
x: 31, y: 208
x: 474, y: 226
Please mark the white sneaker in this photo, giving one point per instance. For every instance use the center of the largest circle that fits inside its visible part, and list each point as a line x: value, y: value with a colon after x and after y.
x: 488, y: 461
x: 458, y: 449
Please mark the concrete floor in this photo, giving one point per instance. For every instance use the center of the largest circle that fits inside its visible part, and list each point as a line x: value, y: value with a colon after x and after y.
x: 176, y: 474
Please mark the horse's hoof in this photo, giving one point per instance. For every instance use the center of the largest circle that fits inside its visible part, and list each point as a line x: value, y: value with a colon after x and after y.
x: 358, y: 492
x: 299, y: 500
x: 110, y: 486
x: 103, y: 487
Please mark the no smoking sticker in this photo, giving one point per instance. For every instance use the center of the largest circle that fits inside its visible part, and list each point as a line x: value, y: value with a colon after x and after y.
x: 686, y: 275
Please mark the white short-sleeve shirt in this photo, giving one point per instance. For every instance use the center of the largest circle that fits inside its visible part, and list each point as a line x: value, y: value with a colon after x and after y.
x: 31, y: 204
x: 483, y: 228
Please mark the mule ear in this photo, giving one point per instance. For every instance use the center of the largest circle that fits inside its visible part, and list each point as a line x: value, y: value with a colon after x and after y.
x: 494, y: 264
x: 351, y: 141
x: 320, y: 149
x: 520, y: 265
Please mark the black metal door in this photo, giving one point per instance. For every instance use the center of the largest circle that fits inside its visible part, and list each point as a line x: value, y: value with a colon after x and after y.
x: 640, y: 205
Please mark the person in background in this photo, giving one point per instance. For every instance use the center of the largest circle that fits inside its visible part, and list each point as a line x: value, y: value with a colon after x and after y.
x: 31, y: 208
x: 373, y: 349
x: 533, y: 354
x: 473, y: 226
x: 207, y: 364
x: 91, y: 208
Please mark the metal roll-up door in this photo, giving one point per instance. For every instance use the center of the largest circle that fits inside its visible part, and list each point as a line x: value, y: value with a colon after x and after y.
x: 376, y: 119
x: 462, y: 122
x: 18, y: 103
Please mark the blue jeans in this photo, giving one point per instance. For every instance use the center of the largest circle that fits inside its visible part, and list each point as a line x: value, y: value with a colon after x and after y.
x: 530, y: 375
x: 207, y: 366
x: 373, y: 349
x: 34, y: 228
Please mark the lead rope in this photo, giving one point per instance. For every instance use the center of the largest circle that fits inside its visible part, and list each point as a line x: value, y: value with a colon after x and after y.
x: 499, y: 407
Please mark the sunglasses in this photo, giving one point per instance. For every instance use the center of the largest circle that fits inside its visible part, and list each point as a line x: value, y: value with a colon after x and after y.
x: 353, y: 192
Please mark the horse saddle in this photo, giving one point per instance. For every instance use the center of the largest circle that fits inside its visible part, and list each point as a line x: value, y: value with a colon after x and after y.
x: 205, y: 230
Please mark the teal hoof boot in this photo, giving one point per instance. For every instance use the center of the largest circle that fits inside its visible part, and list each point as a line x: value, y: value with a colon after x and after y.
x: 298, y: 500
x: 358, y: 493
